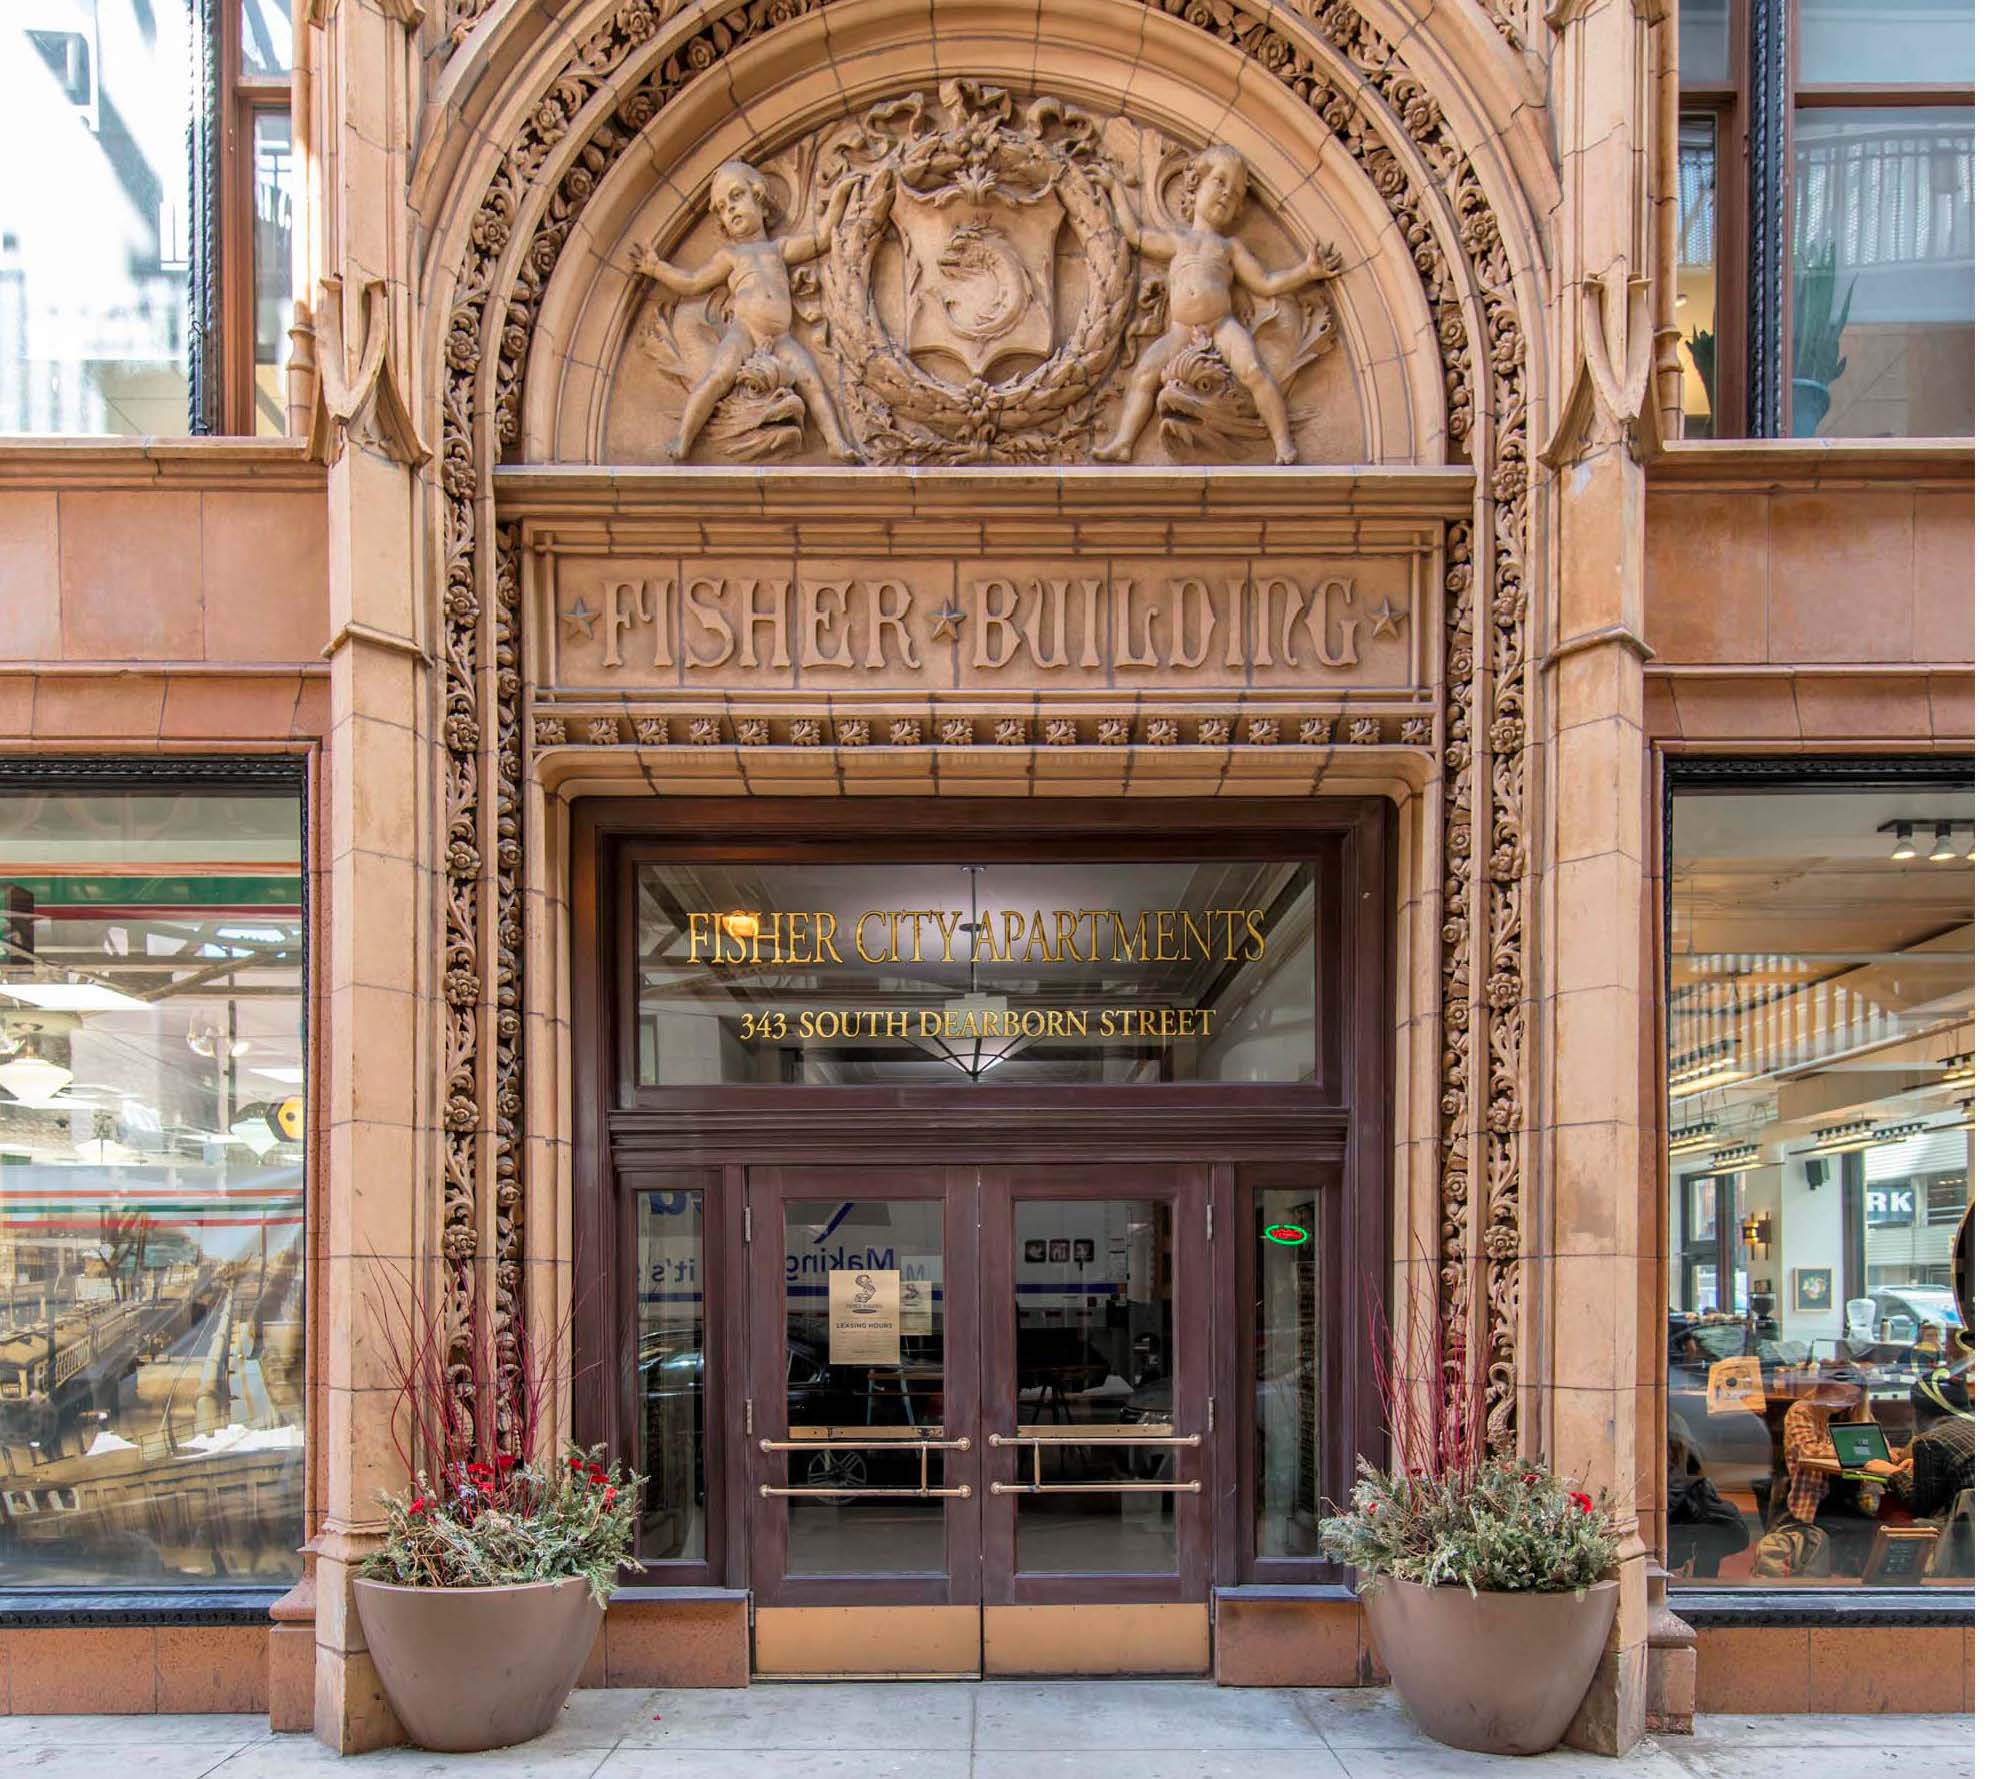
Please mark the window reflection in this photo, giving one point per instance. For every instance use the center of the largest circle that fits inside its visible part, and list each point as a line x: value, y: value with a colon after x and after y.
x: 672, y: 1373
x: 152, y: 1150
x: 1821, y: 1397
x: 1700, y: 220
x: 1286, y: 1335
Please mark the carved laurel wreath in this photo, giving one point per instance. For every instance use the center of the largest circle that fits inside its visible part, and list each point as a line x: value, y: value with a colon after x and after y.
x: 907, y: 414
x: 1333, y: 60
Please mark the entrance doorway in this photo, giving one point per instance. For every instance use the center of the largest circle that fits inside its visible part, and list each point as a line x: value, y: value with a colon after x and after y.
x: 975, y: 1225
x: 976, y: 1391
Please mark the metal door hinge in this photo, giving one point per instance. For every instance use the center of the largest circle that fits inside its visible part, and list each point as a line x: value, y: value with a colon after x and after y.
x: 746, y: 1223
x: 1211, y: 1219
x: 749, y: 1416
x: 1211, y: 1414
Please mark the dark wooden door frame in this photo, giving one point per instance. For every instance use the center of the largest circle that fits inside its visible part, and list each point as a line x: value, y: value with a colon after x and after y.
x: 626, y: 1137
x: 955, y: 1190
x: 1185, y: 1189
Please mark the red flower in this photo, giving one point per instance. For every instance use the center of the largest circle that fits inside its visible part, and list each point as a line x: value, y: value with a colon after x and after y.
x: 477, y: 1469
x: 506, y: 1461
x: 1532, y: 1477
x: 597, y: 1477
x: 1578, y: 1499
x: 486, y: 1489
x: 419, y: 1506
x: 576, y: 1464
x: 610, y: 1495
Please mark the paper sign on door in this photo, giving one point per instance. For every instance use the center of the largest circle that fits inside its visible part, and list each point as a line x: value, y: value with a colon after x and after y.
x: 918, y: 1294
x: 1735, y: 1386
x: 865, y: 1320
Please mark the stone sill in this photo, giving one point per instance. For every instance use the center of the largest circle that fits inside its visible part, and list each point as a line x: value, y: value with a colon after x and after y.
x: 1783, y: 465
x: 159, y: 463
x: 30, y: 1609
x: 1730, y: 1607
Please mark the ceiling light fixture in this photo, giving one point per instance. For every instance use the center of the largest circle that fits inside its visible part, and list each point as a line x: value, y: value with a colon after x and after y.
x: 1837, y: 1139
x: 1901, y: 1133
x: 1693, y: 1139
x: 31, y: 1078
x: 1959, y: 1071
x: 1694, y: 1071
x: 73, y: 997
x: 1943, y: 852
x: 1742, y: 1155
x: 1905, y: 839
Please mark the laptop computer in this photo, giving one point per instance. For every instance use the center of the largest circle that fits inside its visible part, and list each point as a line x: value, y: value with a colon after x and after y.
x: 1858, y: 1442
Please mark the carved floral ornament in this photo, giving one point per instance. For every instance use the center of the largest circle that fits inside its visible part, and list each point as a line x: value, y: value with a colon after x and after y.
x: 1376, y: 109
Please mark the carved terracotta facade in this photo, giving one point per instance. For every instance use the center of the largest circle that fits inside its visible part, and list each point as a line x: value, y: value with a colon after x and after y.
x: 950, y: 237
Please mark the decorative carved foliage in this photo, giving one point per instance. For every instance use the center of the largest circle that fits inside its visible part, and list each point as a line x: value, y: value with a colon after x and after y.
x: 1381, y: 114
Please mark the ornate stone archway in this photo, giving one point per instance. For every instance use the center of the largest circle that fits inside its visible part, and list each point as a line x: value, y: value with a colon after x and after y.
x: 1461, y: 237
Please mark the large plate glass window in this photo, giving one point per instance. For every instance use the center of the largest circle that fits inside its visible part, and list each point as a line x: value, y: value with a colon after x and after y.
x: 152, y: 1185
x: 1821, y: 1052
x: 1118, y: 973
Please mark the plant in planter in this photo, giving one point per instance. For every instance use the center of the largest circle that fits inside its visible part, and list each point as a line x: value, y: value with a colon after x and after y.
x: 1487, y: 1580
x: 481, y: 1606
x: 1816, y: 362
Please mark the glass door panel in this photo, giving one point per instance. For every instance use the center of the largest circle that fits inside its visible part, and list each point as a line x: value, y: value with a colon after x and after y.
x: 1097, y: 1395
x: 860, y: 1447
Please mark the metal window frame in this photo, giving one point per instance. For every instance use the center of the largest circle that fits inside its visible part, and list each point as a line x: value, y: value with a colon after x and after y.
x: 55, y: 1606
x: 1778, y: 1606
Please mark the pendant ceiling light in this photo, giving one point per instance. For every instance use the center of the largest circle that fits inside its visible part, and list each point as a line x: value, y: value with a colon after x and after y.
x: 31, y: 1078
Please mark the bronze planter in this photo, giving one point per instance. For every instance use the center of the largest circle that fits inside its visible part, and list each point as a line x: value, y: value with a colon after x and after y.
x: 473, y: 1668
x: 1495, y: 1673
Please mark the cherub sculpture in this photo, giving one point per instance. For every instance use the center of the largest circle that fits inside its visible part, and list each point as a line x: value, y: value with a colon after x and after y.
x: 1204, y: 262
x: 757, y: 271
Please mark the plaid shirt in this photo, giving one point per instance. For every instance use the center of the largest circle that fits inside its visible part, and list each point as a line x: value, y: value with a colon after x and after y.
x: 1805, y: 1436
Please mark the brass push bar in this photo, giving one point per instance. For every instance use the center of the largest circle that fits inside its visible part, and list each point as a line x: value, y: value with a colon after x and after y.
x: 921, y: 1447
x: 1037, y: 1443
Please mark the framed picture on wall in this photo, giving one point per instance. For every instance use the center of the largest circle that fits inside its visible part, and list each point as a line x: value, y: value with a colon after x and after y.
x: 1811, y: 1288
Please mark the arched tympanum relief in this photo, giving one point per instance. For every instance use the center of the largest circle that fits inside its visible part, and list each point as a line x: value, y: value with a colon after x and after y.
x: 972, y: 274
x: 1376, y: 119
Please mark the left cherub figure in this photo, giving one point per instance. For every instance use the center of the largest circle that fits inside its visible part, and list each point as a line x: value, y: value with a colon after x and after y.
x: 757, y: 271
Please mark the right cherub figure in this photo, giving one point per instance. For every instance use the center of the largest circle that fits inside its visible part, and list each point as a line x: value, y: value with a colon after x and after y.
x: 1203, y: 263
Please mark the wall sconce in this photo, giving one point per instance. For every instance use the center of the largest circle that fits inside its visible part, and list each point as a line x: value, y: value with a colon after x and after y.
x: 1756, y: 1235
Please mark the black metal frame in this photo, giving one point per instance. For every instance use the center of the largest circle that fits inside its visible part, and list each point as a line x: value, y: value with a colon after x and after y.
x: 54, y: 1607
x: 1769, y: 131
x: 1776, y: 1606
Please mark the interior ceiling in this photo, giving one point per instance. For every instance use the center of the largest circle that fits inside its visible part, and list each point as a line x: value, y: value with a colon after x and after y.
x: 1838, y: 977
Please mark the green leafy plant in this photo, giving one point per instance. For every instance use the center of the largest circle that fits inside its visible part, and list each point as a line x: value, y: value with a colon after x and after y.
x: 481, y: 1524
x: 1816, y: 357
x: 1504, y: 1524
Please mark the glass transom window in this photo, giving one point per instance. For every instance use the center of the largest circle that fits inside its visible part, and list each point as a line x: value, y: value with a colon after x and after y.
x: 1119, y: 973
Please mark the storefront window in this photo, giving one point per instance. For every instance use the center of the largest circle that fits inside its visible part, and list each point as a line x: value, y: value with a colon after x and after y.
x: 1125, y: 973
x: 152, y: 1187
x: 1821, y: 1392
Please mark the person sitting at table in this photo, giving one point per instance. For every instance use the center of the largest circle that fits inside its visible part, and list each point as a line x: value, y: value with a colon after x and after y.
x: 1826, y: 1519
x: 1936, y: 1466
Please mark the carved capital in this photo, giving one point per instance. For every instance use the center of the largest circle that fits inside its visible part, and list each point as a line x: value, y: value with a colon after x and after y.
x: 357, y: 395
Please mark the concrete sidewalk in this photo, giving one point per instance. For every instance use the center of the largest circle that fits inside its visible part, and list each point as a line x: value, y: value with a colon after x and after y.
x: 997, y: 1730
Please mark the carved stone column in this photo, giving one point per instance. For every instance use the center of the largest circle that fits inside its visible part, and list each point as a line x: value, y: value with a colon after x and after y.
x: 379, y: 770
x: 1594, y: 1274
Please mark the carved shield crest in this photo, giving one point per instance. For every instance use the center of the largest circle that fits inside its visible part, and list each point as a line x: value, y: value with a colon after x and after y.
x: 978, y: 273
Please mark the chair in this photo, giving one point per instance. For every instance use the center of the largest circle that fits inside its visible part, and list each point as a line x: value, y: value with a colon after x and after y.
x: 1952, y: 1556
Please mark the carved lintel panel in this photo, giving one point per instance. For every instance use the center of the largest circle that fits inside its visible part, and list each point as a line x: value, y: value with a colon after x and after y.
x: 1377, y: 110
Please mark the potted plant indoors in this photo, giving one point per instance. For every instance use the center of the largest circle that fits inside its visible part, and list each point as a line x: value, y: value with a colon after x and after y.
x: 1488, y: 1581
x: 1816, y: 363
x: 485, y: 1597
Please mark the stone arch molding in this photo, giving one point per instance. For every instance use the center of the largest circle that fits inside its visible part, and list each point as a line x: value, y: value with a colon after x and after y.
x: 1459, y: 228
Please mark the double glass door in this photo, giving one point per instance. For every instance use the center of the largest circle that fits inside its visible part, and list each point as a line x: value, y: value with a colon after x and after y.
x: 975, y: 1389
